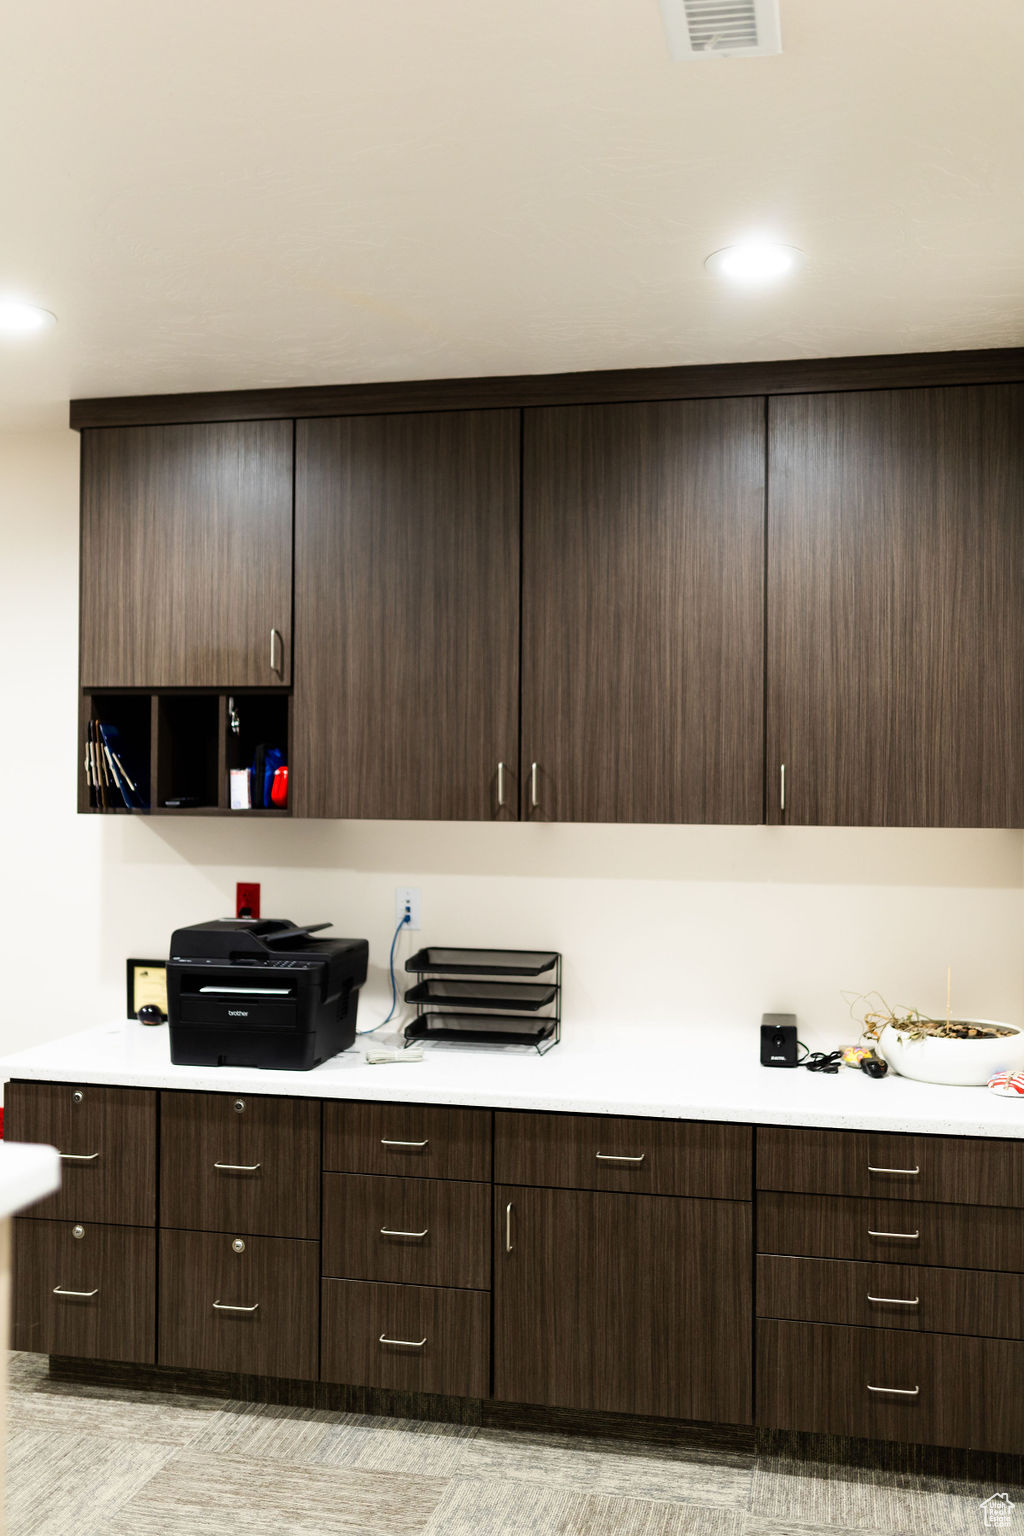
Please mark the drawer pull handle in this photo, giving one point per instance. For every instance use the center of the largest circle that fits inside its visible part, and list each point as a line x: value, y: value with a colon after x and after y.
x: 417, y: 1144
x: 910, y: 1172
x: 897, y: 1301
x: 238, y: 1167
x: 508, y: 1227
x: 910, y: 1236
x: 78, y: 1157
x: 59, y: 1290
x: 405, y: 1343
x: 616, y: 1157
x: 224, y: 1306
x: 390, y: 1232
x: 899, y: 1391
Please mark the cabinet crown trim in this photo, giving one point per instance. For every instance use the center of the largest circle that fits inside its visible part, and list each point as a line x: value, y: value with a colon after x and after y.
x: 1001, y: 365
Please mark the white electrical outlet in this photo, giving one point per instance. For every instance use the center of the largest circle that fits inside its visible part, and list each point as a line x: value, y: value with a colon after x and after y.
x: 407, y: 899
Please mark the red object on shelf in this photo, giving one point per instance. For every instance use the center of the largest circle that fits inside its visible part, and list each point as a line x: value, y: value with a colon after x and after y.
x: 247, y: 898
x: 279, y: 788
x: 1, y: 1124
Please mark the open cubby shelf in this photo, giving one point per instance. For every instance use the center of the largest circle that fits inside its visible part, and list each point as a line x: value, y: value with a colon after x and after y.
x: 182, y: 743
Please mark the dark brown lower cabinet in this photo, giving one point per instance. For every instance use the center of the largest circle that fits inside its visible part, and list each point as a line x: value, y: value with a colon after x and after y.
x: 420, y: 1231
x: 899, y: 1231
x: 244, y: 1304
x: 107, y: 1141
x: 924, y: 1298
x: 84, y: 1289
x: 408, y: 1338
x: 884, y: 1384
x: 240, y: 1163
x: 623, y: 1303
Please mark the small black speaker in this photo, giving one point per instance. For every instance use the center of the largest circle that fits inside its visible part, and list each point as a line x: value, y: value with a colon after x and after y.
x: 778, y: 1040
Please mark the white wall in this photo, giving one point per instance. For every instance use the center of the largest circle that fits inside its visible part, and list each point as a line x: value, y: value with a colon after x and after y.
x: 707, y: 925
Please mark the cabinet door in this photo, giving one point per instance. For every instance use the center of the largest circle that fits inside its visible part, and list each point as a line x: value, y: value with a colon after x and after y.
x: 407, y: 612
x: 643, y: 578
x: 895, y: 621
x: 623, y: 1303
x: 187, y: 555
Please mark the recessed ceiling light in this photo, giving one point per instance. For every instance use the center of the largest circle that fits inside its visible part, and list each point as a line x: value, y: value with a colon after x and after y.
x: 755, y: 261
x: 19, y: 319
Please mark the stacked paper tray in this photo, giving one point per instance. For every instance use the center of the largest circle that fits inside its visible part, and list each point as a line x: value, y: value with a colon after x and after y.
x: 471, y: 997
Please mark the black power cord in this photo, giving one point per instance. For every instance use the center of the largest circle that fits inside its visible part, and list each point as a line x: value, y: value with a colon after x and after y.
x: 820, y: 1061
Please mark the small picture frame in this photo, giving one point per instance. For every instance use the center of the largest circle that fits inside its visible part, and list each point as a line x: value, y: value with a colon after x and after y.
x: 146, y: 983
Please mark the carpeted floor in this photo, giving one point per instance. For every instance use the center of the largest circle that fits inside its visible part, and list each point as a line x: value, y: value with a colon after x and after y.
x: 86, y: 1460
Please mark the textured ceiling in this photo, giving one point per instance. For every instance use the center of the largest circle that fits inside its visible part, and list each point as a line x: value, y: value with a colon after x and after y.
x: 214, y: 194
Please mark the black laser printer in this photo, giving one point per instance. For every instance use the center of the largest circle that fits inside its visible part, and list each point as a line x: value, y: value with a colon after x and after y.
x: 254, y: 992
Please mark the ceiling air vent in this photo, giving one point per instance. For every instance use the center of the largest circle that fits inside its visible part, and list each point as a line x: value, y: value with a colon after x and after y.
x: 721, y: 29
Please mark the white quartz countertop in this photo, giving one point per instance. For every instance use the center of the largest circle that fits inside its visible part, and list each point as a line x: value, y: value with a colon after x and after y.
x: 626, y: 1069
x: 27, y: 1173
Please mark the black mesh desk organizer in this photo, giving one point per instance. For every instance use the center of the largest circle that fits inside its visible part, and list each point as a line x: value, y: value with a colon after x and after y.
x: 497, y: 997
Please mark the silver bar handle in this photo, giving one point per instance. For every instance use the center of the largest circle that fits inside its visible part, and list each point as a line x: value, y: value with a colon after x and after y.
x: 501, y: 786
x: 224, y: 1306
x: 899, y: 1391
x: 405, y: 1343
x: 508, y: 1227
x: 534, y: 795
x: 897, y: 1301
x: 910, y: 1172
x: 385, y: 1143
x: 617, y: 1157
x: 910, y: 1236
x: 59, y: 1290
x: 78, y: 1157
x: 275, y: 641
x: 238, y: 1167
x: 392, y: 1232
x: 782, y: 786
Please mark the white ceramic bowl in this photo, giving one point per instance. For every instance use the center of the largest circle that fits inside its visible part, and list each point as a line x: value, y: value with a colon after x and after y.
x: 964, y: 1063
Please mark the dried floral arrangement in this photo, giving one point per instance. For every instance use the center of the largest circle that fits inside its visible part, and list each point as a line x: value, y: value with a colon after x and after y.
x: 873, y: 1014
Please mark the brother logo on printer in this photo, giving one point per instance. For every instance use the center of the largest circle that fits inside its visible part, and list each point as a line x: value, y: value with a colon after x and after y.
x: 238, y: 1013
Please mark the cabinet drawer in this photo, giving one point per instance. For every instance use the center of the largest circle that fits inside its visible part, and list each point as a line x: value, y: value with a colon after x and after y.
x: 914, y: 1296
x: 957, y: 1169
x: 240, y: 1163
x: 651, y: 1157
x: 951, y: 1391
x: 409, y: 1338
x: 423, y: 1231
x: 417, y: 1141
x: 245, y: 1304
x: 107, y: 1141
x: 899, y: 1231
x: 110, y: 1273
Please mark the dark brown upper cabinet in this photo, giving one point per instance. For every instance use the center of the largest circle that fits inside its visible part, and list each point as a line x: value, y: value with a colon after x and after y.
x: 895, y: 613
x: 187, y: 556
x: 407, y: 616
x: 643, y: 612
